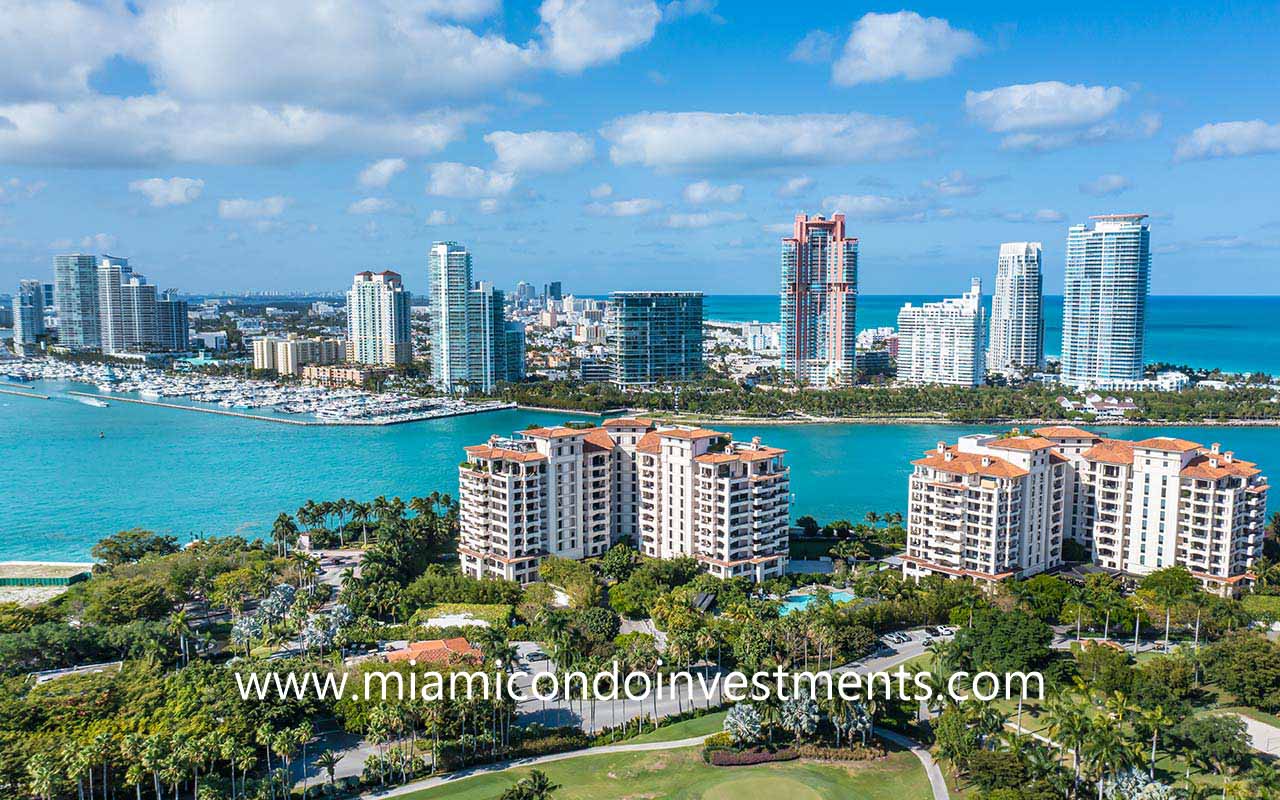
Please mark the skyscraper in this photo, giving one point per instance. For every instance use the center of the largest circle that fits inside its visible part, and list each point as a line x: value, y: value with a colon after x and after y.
x: 75, y: 280
x: 495, y: 346
x: 113, y: 273
x: 655, y: 336
x: 378, y: 320
x: 1104, y: 307
x: 551, y: 291
x: 473, y: 347
x: 942, y: 342
x: 819, y: 301
x: 448, y: 285
x: 141, y: 323
x: 28, y: 316
x: 1017, y: 310
x: 173, y: 329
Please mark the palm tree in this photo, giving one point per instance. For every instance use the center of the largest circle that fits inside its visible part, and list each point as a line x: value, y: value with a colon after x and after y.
x: 362, y: 513
x: 1107, y: 751
x: 328, y: 761
x: 1069, y: 726
x: 1155, y: 719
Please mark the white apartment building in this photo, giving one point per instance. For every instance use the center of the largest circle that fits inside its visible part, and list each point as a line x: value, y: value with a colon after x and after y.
x: 574, y: 491
x: 378, y: 331
x: 943, y: 342
x: 113, y: 273
x: 1137, y: 506
x: 289, y: 356
x: 988, y: 508
x: 28, y: 317
x: 1017, y: 310
x: 1104, y: 305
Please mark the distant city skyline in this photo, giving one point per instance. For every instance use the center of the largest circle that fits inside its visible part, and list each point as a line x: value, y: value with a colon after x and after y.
x: 631, y: 144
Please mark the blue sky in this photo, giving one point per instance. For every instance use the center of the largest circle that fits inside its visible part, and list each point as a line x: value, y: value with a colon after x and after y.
x: 611, y: 144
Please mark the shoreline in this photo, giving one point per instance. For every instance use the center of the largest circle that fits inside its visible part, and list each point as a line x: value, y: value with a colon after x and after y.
x: 889, y: 421
x: 299, y: 422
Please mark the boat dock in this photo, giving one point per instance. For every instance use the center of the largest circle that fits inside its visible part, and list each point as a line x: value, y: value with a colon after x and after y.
x: 302, y: 422
x: 16, y: 393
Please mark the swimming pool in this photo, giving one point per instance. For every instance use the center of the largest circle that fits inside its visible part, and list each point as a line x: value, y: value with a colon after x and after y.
x: 799, y: 602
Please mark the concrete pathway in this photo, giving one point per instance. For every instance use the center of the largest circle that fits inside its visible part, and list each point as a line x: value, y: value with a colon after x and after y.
x: 931, y: 768
x: 1263, y: 737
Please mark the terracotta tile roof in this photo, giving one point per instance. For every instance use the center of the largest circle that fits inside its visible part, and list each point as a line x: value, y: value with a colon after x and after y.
x: 716, y: 458
x: 696, y: 433
x: 1110, y: 451
x: 970, y: 464
x: 1058, y: 458
x: 1168, y: 444
x: 1021, y: 443
x: 1065, y: 432
x: 1201, y: 467
x: 437, y: 651
x: 485, y: 451
x: 553, y: 433
x: 598, y: 439
x: 628, y: 422
x: 649, y: 443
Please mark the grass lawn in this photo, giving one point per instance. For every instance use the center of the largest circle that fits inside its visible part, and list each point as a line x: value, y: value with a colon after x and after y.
x: 701, y: 726
x: 681, y: 775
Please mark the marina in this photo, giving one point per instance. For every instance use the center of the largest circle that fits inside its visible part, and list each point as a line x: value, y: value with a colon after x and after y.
x: 233, y: 396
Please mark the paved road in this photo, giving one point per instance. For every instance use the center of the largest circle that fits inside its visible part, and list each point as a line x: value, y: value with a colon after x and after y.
x: 899, y: 654
x: 1263, y: 737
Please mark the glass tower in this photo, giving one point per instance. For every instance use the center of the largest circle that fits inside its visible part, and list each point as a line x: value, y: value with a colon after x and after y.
x: 1104, y: 307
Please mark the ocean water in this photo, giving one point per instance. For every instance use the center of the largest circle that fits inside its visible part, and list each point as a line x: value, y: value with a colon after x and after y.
x: 74, y: 473
x: 1236, y: 334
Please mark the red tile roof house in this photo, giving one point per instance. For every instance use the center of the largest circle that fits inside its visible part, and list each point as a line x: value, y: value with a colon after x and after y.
x: 438, y: 651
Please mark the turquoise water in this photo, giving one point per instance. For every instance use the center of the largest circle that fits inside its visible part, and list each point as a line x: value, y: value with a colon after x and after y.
x: 63, y: 486
x: 1236, y: 334
x: 799, y: 602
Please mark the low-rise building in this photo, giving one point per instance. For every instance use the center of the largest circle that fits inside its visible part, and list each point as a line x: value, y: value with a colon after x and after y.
x: 336, y: 376
x: 573, y: 491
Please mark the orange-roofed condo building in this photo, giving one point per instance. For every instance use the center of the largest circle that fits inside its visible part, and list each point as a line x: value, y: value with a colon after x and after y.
x: 981, y: 509
x: 819, y: 301
x: 574, y: 491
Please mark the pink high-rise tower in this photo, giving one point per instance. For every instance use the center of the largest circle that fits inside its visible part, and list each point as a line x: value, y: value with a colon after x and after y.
x: 819, y: 301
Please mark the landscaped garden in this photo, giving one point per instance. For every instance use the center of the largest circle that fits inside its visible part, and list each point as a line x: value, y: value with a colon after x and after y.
x: 682, y: 775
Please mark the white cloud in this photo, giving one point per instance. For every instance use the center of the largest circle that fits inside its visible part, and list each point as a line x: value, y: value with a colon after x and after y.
x: 14, y: 188
x: 1106, y: 185
x: 439, y: 217
x: 601, y: 191
x: 678, y: 9
x: 1226, y: 139
x: 794, y: 186
x: 169, y: 191
x: 378, y: 174
x: 702, y: 140
x: 901, y: 45
x: 244, y: 209
x: 48, y: 48
x: 778, y: 227
x: 391, y: 54
x: 459, y: 9
x: 703, y: 219
x: 1043, y: 215
x: 817, y: 47
x: 488, y: 205
x: 582, y: 33
x: 1036, y: 106
x: 370, y: 205
x: 707, y: 192
x: 540, y: 151
x: 451, y: 179
x: 955, y: 184
x: 114, y: 131
x: 99, y: 243
x: 876, y: 208
x: 1144, y: 127
x: 624, y: 208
